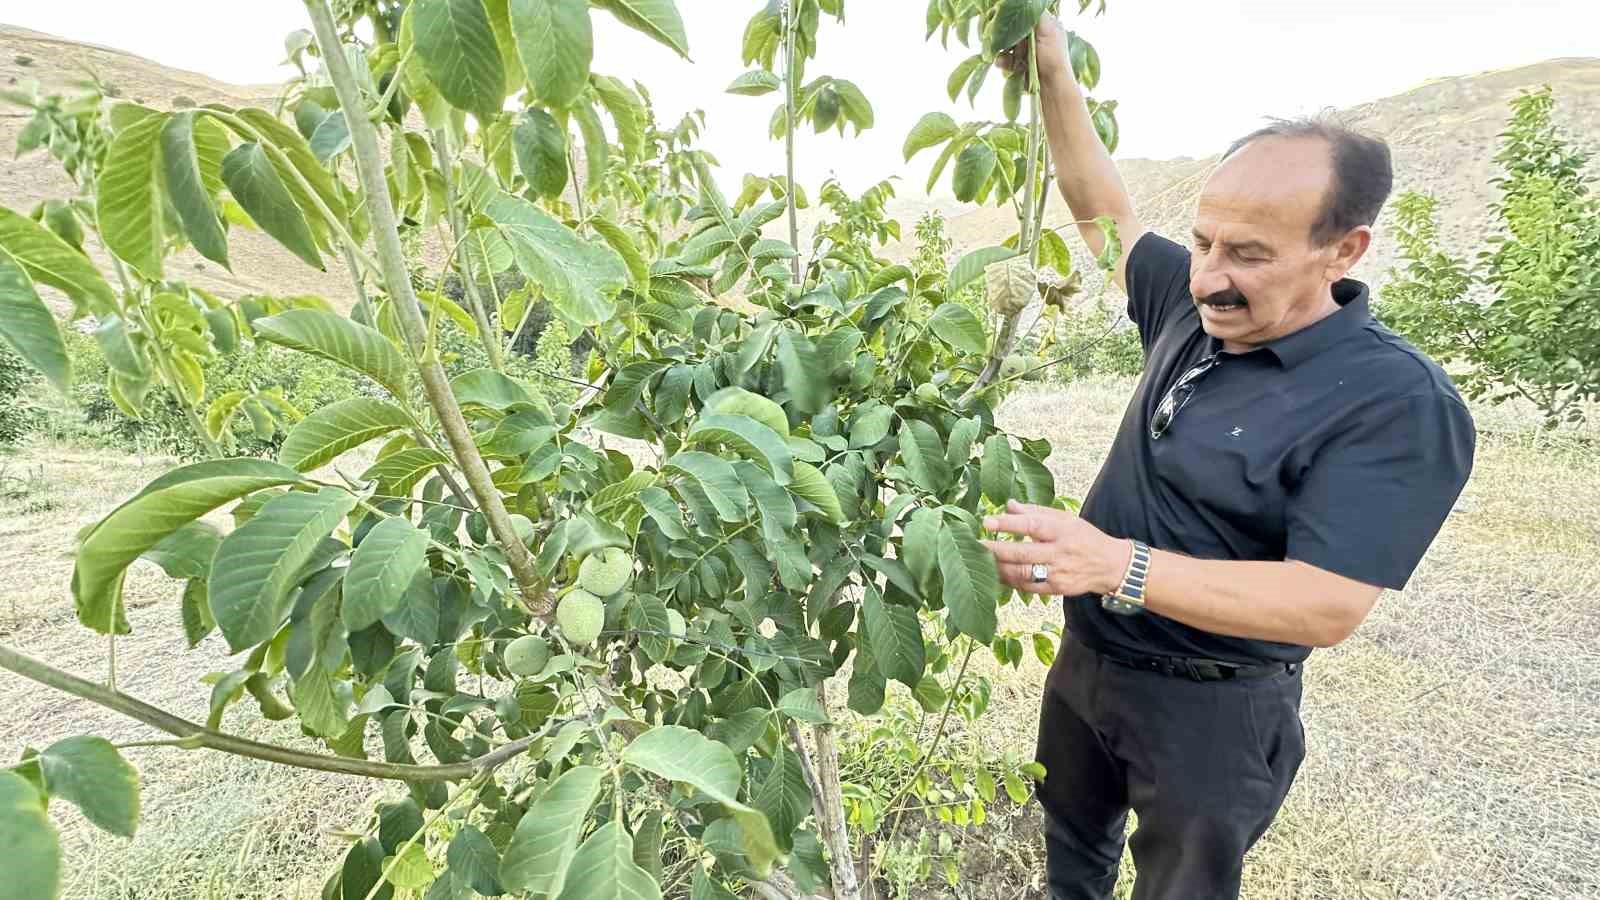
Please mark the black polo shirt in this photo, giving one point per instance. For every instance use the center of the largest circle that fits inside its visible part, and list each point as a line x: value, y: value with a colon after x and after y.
x: 1339, y: 445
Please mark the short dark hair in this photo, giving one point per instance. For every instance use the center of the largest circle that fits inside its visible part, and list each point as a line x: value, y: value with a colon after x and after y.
x: 1363, y: 173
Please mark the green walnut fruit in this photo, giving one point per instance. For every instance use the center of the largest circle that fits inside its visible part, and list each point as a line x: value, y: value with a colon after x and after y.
x: 523, y: 526
x: 675, y: 625
x: 1013, y: 366
x: 527, y: 655
x: 927, y: 393
x: 581, y: 616
x: 605, y: 572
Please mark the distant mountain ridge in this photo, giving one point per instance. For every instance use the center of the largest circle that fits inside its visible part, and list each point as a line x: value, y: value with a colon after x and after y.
x: 1443, y: 133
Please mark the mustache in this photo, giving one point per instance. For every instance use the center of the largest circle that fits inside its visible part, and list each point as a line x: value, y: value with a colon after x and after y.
x: 1223, y: 298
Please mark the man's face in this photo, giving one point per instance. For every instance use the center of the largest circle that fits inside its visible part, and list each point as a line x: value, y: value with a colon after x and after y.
x: 1255, y: 273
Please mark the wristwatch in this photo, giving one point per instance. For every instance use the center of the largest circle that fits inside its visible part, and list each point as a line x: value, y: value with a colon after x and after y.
x: 1128, y: 598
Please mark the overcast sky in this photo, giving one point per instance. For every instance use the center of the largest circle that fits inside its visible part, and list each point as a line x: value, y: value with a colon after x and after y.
x: 1189, y: 75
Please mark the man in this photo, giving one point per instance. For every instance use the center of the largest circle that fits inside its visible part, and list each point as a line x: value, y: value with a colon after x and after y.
x: 1284, y: 459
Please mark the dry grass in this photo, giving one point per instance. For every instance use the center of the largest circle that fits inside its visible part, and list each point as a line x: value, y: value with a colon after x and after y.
x: 1454, y: 740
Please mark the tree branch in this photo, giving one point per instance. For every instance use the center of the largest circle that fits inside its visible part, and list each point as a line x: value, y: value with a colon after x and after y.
x: 369, y: 166
x: 196, y: 735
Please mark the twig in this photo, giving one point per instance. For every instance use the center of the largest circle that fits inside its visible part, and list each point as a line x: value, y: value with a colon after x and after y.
x: 200, y: 736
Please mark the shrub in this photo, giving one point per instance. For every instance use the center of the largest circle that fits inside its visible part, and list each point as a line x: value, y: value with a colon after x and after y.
x: 308, y: 383
x: 17, y: 413
x: 1524, y: 320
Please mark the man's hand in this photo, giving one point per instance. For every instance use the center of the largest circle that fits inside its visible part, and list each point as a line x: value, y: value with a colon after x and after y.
x: 1052, y: 52
x: 1081, y: 558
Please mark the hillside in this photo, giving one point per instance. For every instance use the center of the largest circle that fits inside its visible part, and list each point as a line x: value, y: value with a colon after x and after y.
x: 260, y: 265
x: 1443, y: 134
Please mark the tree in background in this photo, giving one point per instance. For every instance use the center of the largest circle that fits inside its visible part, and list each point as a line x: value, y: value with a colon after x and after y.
x: 1524, y: 320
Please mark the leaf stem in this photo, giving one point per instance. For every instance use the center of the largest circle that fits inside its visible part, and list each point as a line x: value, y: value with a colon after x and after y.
x: 790, y: 20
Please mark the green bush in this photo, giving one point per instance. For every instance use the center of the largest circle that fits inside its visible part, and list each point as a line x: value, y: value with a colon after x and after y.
x: 1523, y: 320
x: 308, y: 383
x: 17, y: 413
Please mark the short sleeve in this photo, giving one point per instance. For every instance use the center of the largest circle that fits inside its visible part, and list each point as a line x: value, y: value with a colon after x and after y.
x: 1158, y: 284
x: 1376, y: 495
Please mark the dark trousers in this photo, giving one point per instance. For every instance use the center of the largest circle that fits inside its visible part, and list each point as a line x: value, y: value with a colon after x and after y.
x: 1204, y: 765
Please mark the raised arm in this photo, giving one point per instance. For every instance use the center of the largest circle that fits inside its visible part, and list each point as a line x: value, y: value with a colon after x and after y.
x: 1088, y: 179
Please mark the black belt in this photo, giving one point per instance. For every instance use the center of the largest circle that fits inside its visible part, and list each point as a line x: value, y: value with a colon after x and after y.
x: 1198, y: 669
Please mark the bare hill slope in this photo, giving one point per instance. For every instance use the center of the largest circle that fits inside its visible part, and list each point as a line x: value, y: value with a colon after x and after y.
x: 1443, y: 135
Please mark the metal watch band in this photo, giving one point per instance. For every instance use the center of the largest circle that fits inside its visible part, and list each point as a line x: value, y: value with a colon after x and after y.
x: 1128, y: 599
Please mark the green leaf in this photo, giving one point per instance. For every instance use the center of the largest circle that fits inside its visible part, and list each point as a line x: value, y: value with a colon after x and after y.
x: 1038, y: 483
x: 811, y: 485
x: 299, y: 160
x: 186, y: 183
x: 579, y: 277
x: 398, y: 473
x: 627, y: 113
x: 971, y: 582
x: 541, y: 148
x: 331, y: 137
x: 27, y: 325
x: 603, y: 869
x: 970, y: 267
x: 318, y: 704
x: 957, y: 326
x: 555, y: 41
x: 870, y: 426
x: 541, y: 849
x: 458, y: 50
x: 682, y: 754
x: 474, y: 861
x: 922, y: 544
x: 657, y: 18
x: 750, y: 438
x: 92, y: 774
x: 186, y: 552
x: 337, y: 427
x: 996, y: 474
x: 802, y: 704
x: 596, y: 148
x: 923, y: 455
x: 256, y: 565
x: 397, y: 822
x: 974, y: 165
x: 1013, y: 21
x: 717, y: 478
x: 784, y: 798
x: 411, y: 869
x: 931, y: 130
x: 254, y: 182
x: 381, y: 568
x: 196, y: 612
x: 755, y: 83
x: 896, y: 638
x: 166, y: 504
x: 129, y: 200
x: 50, y: 260
x: 930, y: 695
x: 961, y: 74
x: 622, y: 241
x: 336, y: 338
x: 1085, y: 61
x: 28, y: 840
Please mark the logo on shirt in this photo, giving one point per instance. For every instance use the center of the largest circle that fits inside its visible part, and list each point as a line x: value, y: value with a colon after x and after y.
x: 1236, y: 431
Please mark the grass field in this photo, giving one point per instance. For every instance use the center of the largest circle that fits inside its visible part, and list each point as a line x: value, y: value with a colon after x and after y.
x: 1454, y: 740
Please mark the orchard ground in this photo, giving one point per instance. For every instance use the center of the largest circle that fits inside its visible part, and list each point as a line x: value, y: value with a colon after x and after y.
x: 1454, y: 739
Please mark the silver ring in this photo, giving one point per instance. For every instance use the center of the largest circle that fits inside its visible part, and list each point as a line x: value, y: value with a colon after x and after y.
x: 1039, y: 572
